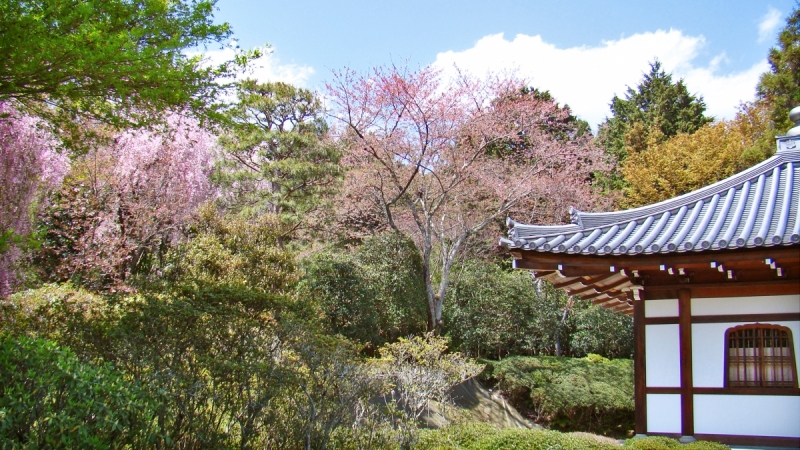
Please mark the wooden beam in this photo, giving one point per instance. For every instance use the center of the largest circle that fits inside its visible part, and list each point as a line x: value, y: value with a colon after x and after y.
x: 685, y: 333
x: 639, y: 369
x: 654, y: 261
x: 734, y: 289
x: 607, y: 287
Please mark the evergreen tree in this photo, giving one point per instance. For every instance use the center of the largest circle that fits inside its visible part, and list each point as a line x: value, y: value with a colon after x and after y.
x: 658, y: 106
x: 277, y: 160
x: 780, y: 87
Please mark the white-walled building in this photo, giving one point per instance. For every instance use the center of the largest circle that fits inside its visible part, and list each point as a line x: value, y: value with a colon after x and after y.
x: 712, y: 279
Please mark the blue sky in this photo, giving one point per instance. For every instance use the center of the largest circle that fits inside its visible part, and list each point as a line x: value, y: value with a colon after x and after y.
x: 584, y: 52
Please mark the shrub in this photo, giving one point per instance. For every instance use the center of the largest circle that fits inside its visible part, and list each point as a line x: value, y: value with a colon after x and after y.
x: 665, y: 443
x: 588, y: 394
x: 522, y: 439
x: 488, y: 437
x: 49, y: 399
x: 373, y: 294
x: 456, y: 436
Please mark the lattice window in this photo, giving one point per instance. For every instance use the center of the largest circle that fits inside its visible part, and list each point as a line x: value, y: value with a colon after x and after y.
x: 760, y: 355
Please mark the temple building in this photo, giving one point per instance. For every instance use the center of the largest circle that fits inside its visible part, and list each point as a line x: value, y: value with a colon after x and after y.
x: 712, y: 279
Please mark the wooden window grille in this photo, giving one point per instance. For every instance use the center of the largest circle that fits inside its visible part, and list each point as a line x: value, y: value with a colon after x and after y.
x: 760, y: 356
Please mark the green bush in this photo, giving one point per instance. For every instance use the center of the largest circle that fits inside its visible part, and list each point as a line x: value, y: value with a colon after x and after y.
x: 591, y: 394
x: 488, y: 437
x: 665, y: 443
x: 493, y: 313
x: 49, y: 399
x: 374, y: 293
x: 457, y: 436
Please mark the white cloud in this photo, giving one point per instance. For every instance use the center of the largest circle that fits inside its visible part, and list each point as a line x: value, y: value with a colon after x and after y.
x: 587, y: 78
x: 769, y: 23
x: 266, y: 68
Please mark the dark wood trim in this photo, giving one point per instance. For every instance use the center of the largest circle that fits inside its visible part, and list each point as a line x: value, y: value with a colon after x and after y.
x: 730, y: 284
x: 789, y: 392
x: 766, y: 441
x: 663, y: 390
x: 777, y: 253
x: 727, y: 318
x: 661, y: 320
x: 639, y: 368
x: 732, y: 289
x: 685, y: 333
x: 735, y: 318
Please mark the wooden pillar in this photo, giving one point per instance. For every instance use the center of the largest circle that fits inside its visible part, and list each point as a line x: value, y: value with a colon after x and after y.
x: 687, y: 395
x: 639, y: 369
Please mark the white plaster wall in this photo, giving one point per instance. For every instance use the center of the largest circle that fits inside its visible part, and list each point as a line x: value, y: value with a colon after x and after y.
x: 708, y: 351
x: 749, y: 415
x: 745, y: 305
x: 663, y: 413
x: 662, y: 356
x: 661, y: 308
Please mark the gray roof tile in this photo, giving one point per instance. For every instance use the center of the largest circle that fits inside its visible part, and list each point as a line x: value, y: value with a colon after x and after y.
x: 754, y: 208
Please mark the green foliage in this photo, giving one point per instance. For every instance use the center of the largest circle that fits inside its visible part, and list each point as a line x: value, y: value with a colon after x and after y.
x: 220, y: 372
x: 494, y: 313
x: 655, y: 110
x: 231, y: 251
x: 687, y: 162
x: 780, y: 87
x: 374, y: 293
x: 49, y: 399
x: 456, y: 436
x: 277, y: 158
x: 665, y: 443
x: 587, y: 394
x: 116, y: 60
x: 601, y: 331
x: 482, y: 436
x: 656, y: 102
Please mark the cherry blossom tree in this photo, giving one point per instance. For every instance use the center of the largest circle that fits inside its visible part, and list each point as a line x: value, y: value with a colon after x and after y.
x: 441, y: 160
x: 124, y: 203
x: 29, y: 163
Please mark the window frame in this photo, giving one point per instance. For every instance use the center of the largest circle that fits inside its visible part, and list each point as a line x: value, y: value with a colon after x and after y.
x: 761, y: 366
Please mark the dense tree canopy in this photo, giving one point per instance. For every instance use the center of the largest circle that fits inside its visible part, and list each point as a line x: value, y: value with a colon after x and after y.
x: 780, y: 87
x: 657, y: 105
x: 118, y: 60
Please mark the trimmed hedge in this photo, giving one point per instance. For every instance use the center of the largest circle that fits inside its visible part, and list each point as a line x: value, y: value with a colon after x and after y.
x: 592, y: 394
x: 481, y: 436
x: 665, y: 443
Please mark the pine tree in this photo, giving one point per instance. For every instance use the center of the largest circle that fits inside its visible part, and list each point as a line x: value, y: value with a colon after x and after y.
x: 657, y: 105
x: 277, y: 158
x: 780, y: 87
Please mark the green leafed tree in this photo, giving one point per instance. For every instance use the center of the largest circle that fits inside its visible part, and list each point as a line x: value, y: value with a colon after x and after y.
x: 658, y: 106
x: 780, y: 87
x: 121, y: 61
x: 373, y: 294
x: 277, y: 159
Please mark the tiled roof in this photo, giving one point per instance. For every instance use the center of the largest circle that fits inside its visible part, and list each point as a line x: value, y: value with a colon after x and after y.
x: 754, y: 208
